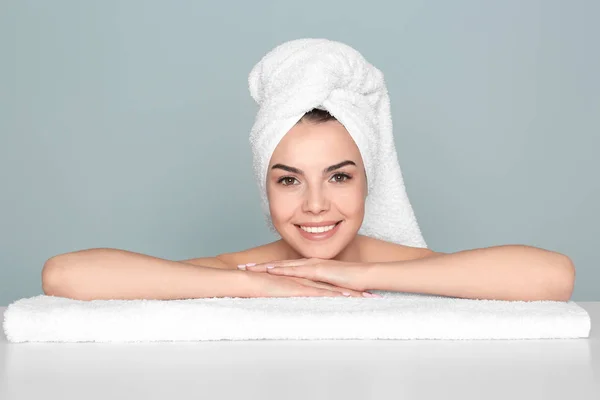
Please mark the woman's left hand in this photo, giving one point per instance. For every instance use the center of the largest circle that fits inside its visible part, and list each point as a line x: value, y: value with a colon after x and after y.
x: 339, y: 273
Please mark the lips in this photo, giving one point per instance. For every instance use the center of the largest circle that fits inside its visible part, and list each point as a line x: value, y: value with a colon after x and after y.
x: 318, y: 224
x: 320, y: 235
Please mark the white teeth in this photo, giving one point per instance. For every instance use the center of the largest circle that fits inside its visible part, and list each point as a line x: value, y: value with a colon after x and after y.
x: 317, y: 229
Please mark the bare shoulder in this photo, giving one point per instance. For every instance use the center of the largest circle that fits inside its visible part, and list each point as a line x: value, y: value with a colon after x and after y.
x: 371, y: 250
x: 377, y: 250
x: 260, y: 254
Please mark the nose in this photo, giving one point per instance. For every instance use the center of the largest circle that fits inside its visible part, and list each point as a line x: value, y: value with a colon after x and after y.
x: 315, y: 201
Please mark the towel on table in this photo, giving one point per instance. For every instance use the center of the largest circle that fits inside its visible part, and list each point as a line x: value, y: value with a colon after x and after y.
x: 303, y: 74
x: 396, y: 315
x: 290, y: 80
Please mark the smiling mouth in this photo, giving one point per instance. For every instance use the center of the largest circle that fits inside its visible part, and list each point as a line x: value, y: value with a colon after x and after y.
x: 318, y: 229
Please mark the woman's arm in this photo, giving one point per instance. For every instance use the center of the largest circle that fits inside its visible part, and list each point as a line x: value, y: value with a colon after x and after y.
x: 510, y: 272
x: 118, y: 274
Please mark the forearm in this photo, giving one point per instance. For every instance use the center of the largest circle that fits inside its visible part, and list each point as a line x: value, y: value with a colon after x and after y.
x: 509, y: 272
x: 118, y: 274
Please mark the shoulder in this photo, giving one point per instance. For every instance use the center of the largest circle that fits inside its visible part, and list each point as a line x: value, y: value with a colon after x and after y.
x: 371, y: 250
x: 258, y: 255
x: 376, y: 250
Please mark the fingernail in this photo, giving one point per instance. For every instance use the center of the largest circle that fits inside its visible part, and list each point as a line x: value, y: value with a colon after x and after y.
x: 270, y: 266
x: 367, y: 294
x: 242, y: 266
x: 250, y: 264
x: 346, y: 293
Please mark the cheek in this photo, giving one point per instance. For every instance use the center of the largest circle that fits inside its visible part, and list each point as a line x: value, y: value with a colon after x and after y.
x: 355, y: 208
x: 280, y: 207
x: 352, y: 203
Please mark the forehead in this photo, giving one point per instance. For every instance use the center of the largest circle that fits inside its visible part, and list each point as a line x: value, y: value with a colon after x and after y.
x: 328, y: 140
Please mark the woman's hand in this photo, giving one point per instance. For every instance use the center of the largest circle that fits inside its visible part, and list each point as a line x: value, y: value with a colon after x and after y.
x: 339, y: 273
x: 267, y: 285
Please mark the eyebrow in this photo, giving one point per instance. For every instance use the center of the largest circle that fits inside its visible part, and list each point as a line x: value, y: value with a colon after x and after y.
x: 325, y: 171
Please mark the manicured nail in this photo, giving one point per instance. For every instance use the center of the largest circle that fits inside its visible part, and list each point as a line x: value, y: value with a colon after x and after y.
x: 242, y: 266
x: 250, y: 264
x: 346, y: 293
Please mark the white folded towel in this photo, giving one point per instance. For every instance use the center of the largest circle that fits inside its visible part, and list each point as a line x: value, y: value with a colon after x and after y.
x: 303, y: 74
x: 394, y: 316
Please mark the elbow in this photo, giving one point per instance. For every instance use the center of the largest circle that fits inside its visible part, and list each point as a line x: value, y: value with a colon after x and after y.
x: 54, y: 277
x: 57, y: 274
x: 569, y: 279
x: 563, y: 281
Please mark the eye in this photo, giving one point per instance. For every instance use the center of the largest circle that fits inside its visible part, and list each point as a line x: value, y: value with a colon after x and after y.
x: 341, y: 178
x: 286, y: 180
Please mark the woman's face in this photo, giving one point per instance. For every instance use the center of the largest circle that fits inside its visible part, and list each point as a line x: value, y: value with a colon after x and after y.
x: 316, y: 176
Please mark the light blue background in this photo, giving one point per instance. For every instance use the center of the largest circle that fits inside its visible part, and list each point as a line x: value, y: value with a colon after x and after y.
x: 125, y: 124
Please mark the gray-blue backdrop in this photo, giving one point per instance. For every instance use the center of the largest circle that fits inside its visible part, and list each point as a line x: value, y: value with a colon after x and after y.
x: 125, y: 124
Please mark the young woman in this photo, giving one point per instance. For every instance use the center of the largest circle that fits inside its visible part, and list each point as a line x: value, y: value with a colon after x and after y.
x: 316, y: 188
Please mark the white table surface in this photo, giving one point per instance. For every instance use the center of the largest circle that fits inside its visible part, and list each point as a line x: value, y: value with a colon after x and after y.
x: 329, y: 369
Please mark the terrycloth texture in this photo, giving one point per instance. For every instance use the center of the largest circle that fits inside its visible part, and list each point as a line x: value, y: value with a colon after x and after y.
x: 303, y: 74
x: 395, y: 316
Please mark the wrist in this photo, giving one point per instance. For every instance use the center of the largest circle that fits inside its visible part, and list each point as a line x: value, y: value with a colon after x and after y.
x: 240, y: 284
x: 378, y: 275
x: 219, y: 282
x: 367, y: 279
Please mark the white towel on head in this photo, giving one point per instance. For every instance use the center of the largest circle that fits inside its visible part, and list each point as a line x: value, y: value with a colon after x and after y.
x: 303, y: 74
x: 395, y: 316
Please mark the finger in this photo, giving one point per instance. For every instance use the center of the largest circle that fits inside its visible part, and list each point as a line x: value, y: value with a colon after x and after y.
x: 338, y: 293
x: 345, y: 292
x: 310, y: 291
x: 324, y: 285
x: 286, y: 263
x: 301, y: 271
x: 351, y: 293
x: 253, y: 267
x: 262, y: 267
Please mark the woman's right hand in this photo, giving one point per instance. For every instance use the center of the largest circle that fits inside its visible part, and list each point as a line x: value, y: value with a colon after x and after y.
x: 265, y: 285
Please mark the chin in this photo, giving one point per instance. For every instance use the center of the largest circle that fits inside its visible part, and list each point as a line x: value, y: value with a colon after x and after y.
x: 322, y: 253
